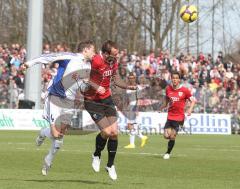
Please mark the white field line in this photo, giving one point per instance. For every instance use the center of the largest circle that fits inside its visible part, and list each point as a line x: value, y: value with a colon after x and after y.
x: 201, y: 146
x: 119, y: 152
x: 195, y: 148
x: 214, y: 149
x: 129, y: 153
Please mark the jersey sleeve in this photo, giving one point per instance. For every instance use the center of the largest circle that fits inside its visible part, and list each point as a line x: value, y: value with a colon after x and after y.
x: 50, y: 58
x: 96, y: 60
x: 188, y: 95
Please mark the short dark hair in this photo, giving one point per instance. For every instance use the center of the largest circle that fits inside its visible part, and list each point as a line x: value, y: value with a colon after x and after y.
x: 108, y: 45
x: 176, y: 73
x: 84, y: 44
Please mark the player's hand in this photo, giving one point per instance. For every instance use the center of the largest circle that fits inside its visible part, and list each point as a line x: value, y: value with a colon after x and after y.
x: 189, y: 112
x: 132, y: 87
x: 101, y: 90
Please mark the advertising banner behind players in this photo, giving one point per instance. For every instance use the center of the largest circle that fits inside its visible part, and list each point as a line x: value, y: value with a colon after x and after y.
x: 196, y: 124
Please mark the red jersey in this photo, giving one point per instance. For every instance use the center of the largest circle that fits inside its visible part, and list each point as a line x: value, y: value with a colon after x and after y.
x: 177, y: 99
x: 101, y: 74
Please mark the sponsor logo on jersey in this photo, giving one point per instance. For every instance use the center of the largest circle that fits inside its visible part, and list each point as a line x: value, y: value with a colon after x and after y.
x: 180, y: 94
x: 174, y: 99
x: 107, y: 73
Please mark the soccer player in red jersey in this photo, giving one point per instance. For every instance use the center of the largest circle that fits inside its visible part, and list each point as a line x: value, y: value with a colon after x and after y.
x: 98, y: 102
x: 176, y: 97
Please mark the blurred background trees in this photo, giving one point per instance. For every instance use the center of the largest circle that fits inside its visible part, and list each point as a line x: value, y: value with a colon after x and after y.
x: 137, y: 25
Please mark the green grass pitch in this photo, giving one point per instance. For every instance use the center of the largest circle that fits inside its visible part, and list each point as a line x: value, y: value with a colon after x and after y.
x: 198, y: 161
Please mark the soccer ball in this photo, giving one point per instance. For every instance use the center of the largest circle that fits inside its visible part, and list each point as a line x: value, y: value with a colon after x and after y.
x: 188, y: 13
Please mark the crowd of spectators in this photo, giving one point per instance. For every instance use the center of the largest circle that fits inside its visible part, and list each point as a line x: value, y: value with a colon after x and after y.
x: 215, y: 82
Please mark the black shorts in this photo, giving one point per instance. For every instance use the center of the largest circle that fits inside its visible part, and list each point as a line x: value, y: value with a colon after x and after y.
x: 100, y: 108
x: 173, y: 124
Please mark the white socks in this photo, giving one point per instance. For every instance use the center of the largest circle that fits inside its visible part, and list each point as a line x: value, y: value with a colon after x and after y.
x: 56, y: 145
x: 132, y: 139
x: 133, y: 133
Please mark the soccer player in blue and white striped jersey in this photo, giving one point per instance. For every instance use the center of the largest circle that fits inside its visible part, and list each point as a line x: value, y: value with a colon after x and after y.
x: 72, y: 76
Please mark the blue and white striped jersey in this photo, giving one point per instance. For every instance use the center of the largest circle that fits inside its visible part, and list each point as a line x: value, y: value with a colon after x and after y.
x: 63, y: 84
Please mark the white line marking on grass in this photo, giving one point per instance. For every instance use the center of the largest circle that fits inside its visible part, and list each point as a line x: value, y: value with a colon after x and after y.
x: 214, y: 149
x: 210, y: 147
x: 119, y: 152
x: 196, y: 148
x: 20, y: 143
x: 131, y: 153
x: 152, y: 154
x: 20, y: 148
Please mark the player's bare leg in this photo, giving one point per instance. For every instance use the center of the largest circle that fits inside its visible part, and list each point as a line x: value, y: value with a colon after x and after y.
x: 167, y: 133
x: 171, y: 135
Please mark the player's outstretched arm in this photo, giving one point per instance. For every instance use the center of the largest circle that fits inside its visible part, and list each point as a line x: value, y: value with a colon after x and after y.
x: 122, y: 84
x: 49, y: 58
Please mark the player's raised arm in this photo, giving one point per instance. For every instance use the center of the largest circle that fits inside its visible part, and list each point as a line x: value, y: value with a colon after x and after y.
x: 49, y: 58
x: 122, y: 84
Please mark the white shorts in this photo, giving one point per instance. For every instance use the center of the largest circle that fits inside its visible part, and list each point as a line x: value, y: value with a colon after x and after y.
x: 58, y: 110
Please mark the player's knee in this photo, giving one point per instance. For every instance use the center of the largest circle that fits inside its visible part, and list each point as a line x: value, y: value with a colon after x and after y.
x: 57, y: 145
x: 109, y: 133
x: 172, y: 137
x: 114, y: 135
x: 105, y: 133
x: 133, y: 132
x: 174, y: 134
x: 166, y: 136
x: 130, y: 126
